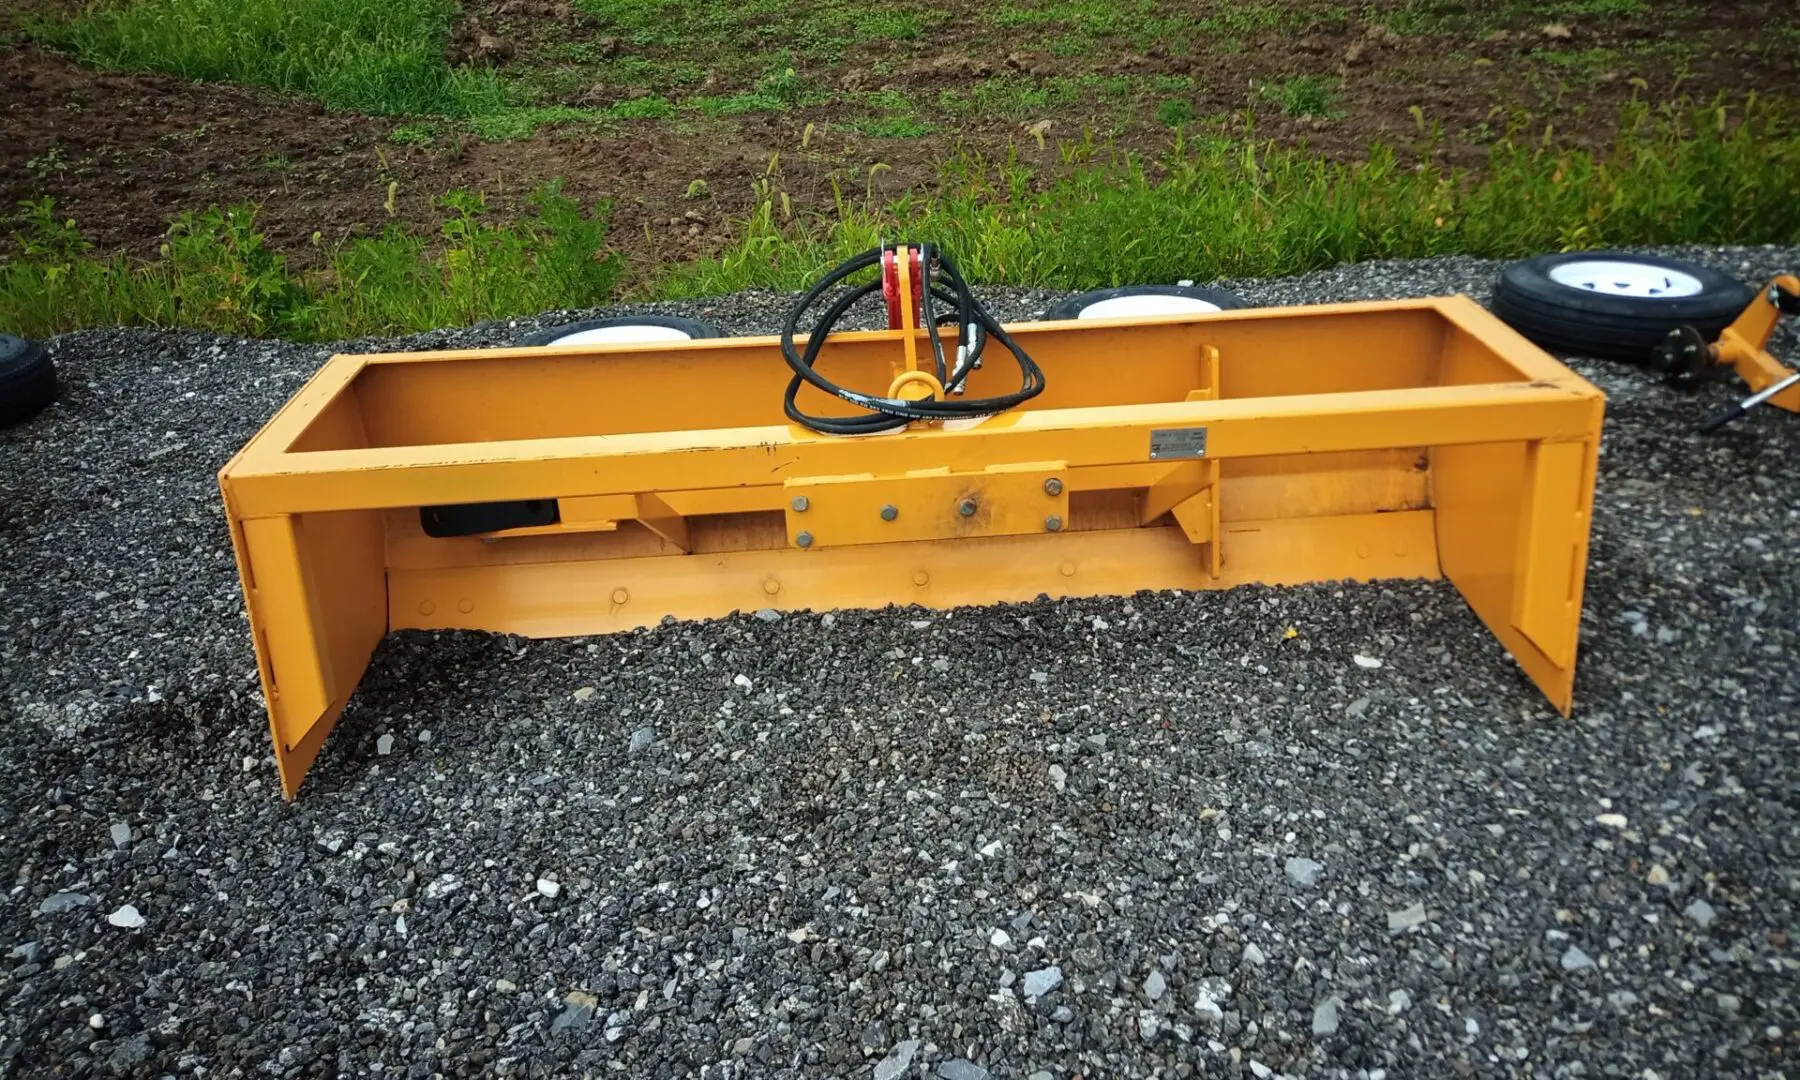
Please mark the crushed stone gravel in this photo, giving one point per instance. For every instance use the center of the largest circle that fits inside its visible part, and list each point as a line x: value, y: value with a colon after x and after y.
x: 763, y: 865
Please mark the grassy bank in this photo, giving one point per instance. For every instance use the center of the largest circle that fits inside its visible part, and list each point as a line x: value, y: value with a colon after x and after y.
x: 382, y: 58
x: 1209, y: 208
x: 215, y: 272
x: 1225, y: 208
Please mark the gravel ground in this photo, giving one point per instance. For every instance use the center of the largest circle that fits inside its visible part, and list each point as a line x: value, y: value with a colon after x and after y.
x: 1143, y: 836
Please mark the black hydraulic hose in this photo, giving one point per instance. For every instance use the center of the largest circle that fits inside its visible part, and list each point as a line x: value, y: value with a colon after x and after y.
x: 944, y: 283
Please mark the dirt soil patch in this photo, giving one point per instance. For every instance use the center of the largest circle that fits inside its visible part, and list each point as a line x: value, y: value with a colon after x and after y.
x: 123, y: 152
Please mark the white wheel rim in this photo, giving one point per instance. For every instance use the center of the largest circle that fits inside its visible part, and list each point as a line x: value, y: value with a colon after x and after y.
x: 613, y: 335
x: 1617, y: 278
x: 1125, y: 307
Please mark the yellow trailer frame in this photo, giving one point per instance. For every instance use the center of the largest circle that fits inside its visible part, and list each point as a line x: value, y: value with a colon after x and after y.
x: 1408, y: 439
x: 1744, y: 345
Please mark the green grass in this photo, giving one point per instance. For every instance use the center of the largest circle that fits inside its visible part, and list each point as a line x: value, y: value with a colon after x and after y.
x: 1020, y: 97
x: 1303, y: 95
x: 521, y: 123
x: 1088, y: 19
x: 644, y: 108
x: 383, y: 58
x: 894, y: 24
x: 1582, y: 65
x: 1221, y: 208
x: 1244, y: 20
x: 1175, y: 113
x: 1578, y: 8
x: 1211, y: 207
x: 412, y: 135
x: 734, y: 104
x: 780, y: 89
x: 216, y: 272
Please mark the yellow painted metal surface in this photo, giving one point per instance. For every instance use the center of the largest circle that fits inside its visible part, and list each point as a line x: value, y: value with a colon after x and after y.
x: 1364, y: 441
x: 1744, y: 345
x: 934, y: 504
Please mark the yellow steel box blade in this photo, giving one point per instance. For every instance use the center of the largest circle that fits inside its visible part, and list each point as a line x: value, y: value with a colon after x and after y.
x: 559, y: 491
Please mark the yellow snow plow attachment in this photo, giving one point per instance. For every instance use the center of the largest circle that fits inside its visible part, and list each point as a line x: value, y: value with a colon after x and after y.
x: 564, y: 491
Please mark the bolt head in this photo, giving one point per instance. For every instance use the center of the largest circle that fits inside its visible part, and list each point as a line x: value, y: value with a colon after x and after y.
x: 890, y: 512
x: 804, y: 539
x: 1053, y: 486
x: 800, y: 504
x: 1053, y: 523
x: 966, y: 508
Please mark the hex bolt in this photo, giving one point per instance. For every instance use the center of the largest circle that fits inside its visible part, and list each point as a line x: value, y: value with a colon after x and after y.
x: 890, y: 512
x: 1053, y: 486
x: 1053, y: 523
x: 803, y: 538
x: 800, y: 504
x: 966, y: 508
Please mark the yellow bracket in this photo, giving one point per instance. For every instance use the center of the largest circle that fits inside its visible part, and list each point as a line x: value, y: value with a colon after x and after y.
x: 909, y: 339
x: 927, y: 504
x: 1189, y: 491
x: 602, y: 513
x: 1745, y: 345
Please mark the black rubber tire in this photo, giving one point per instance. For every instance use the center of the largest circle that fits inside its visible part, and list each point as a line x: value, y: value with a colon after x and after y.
x: 27, y: 380
x: 1605, y: 325
x: 693, y: 328
x: 1074, y: 305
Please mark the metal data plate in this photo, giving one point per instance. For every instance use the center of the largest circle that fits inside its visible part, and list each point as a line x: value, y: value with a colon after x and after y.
x: 1005, y: 500
x: 1182, y: 442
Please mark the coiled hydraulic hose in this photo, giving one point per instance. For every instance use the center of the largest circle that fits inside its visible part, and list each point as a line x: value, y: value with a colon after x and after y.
x: 944, y: 283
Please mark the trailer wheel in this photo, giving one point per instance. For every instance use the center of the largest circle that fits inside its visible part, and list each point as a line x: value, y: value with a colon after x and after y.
x: 1615, y: 305
x: 626, y: 328
x: 1127, y: 301
x: 27, y: 380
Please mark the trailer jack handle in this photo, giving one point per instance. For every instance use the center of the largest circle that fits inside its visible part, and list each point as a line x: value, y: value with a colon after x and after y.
x: 1738, y: 411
